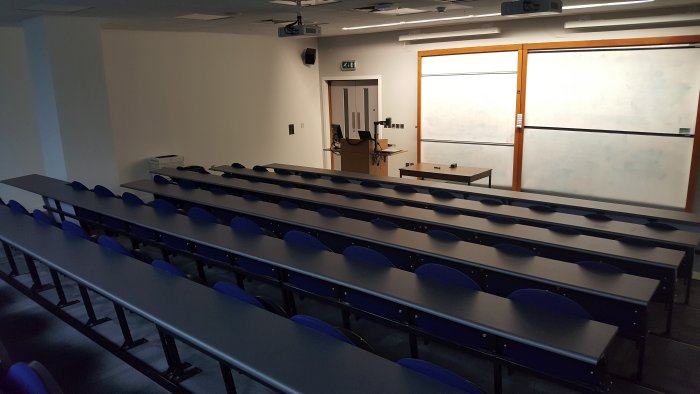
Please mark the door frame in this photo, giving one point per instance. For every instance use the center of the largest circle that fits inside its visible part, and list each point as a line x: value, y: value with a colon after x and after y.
x: 326, y: 136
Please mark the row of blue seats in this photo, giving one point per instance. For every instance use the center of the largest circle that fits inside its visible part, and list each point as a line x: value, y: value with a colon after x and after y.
x: 23, y: 376
x: 440, y: 327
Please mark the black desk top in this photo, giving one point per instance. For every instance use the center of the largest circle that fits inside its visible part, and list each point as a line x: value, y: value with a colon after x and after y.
x: 608, y: 207
x: 304, y: 361
x: 603, y: 247
x: 616, y: 228
x: 582, y: 340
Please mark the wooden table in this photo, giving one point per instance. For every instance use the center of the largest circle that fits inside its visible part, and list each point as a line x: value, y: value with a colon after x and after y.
x: 445, y: 172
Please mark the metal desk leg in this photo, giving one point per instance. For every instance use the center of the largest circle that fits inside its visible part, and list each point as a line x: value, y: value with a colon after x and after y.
x: 126, y: 332
x: 228, y: 379
x: 497, y: 378
x: 10, y: 259
x: 177, y: 370
x: 92, y: 319
x: 489, y: 181
x: 36, y: 280
x: 62, y: 302
x: 642, y: 345
x: 669, y: 318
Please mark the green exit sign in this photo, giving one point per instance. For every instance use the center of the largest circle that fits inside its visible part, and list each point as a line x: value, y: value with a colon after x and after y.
x: 347, y: 65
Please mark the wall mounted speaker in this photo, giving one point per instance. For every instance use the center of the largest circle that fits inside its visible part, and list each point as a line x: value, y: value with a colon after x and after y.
x: 309, y: 56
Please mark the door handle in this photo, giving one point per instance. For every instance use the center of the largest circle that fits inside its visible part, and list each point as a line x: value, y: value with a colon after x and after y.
x: 353, y: 121
x: 358, y: 120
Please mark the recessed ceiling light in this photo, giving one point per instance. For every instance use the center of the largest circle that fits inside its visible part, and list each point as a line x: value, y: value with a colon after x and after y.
x: 304, y: 3
x: 48, y: 7
x: 202, y: 17
x: 576, y: 7
x: 452, y: 18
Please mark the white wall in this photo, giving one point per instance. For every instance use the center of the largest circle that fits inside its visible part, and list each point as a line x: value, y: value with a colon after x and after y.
x: 20, y: 152
x: 213, y: 98
x: 396, y: 63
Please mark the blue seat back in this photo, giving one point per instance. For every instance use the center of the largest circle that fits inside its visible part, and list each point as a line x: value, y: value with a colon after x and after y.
x: 75, y: 230
x: 514, y: 250
x: 41, y: 217
x: 259, y: 168
x: 286, y: 204
x: 600, y: 267
x: 237, y: 165
x: 202, y: 215
x: 167, y: 267
x: 385, y: 224
x: 339, y: 179
x: 110, y: 243
x: 132, y: 199
x: 394, y: 202
x: 17, y: 207
x: 485, y: 200
x: 309, y: 175
x: 187, y: 184
x: 599, y: 217
x: 353, y: 195
x: 318, y: 189
x: 361, y: 253
x: 550, y: 302
x: 445, y: 210
x: 329, y: 213
x: 661, y: 226
x: 22, y: 379
x: 236, y: 292
x: 642, y: 243
x: 163, y: 206
x: 541, y: 208
x: 501, y: 219
x: 440, y: 374
x: 321, y: 326
x: 251, y: 197
x: 281, y: 171
x: 564, y: 230
x: 78, y: 186
x: 445, y: 274
x: 444, y: 194
x: 246, y: 226
x: 371, y: 184
x: 161, y: 180
x: 405, y: 189
x: 303, y: 240
x: 443, y: 235
x: 103, y: 191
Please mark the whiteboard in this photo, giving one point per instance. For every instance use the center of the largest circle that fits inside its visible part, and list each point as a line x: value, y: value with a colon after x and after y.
x: 498, y: 158
x: 643, y: 90
x: 634, y: 168
x: 476, y: 107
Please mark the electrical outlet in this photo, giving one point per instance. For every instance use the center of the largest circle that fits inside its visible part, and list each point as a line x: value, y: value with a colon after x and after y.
x: 401, y: 126
x: 291, y: 129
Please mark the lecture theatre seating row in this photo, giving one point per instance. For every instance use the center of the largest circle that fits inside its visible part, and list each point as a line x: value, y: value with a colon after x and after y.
x: 210, y: 234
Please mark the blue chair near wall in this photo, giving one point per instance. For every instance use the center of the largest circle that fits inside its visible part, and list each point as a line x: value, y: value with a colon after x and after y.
x: 443, y: 328
x: 161, y: 180
x: 384, y: 224
x: 102, y: 191
x: 75, y: 230
x: 164, y: 206
x: 78, y: 186
x: 132, y: 199
x: 237, y: 165
x: 113, y: 245
x: 440, y: 374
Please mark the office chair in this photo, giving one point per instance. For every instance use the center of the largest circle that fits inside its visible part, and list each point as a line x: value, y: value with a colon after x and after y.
x: 164, y: 266
x: 257, y: 168
x: 541, y: 208
x: 261, y: 302
x: 32, y: 378
x: 442, y: 275
x: 111, y: 244
x: 318, y: 189
x: 514, y: 250
x: 600, y: 267
x: 163, y: 206
x: 598, y: 217
x: 102, y: 191
x: 132, y: 199
x: 321, y: 326
x: 329, y: 213
x: 353, y: 195
x: 187, y: 184
x: 440, y: 374
x: 43, y: 218
x: 75, y: 230
x: 661, y: 226
x: 486, y: 200
x: 281, y: 171
x: 286, y: 204
x: 17, y: 207
x: 370, y: 184
x: 442, y: 235
x: 501, y: 219
x: 78, y: 186
x: 444, y: 194
x: 638, y: 242
x: 237, y: 165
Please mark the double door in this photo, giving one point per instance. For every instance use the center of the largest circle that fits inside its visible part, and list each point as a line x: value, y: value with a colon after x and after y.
x: 354, y: 107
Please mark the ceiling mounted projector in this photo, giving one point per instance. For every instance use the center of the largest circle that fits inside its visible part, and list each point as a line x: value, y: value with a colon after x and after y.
x: 523, y: 7
x: 296, y: 30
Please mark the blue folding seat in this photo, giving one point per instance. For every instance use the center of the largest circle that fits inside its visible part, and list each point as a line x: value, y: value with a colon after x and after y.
x: 17, y: 207
x: 246, y: 227
x: 261, y: 302
x: 406, y: 189
x: 440, y: 374
x: 42, y: 217
x: 164, y: 266
x: 444, y: 194
x: 32, y: 378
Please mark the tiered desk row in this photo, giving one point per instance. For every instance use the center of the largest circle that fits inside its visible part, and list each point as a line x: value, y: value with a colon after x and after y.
x: 618, y: 302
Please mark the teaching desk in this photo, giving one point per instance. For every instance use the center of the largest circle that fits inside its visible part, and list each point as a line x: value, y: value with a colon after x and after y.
x: 591, y: 247
x: 446, y: 173
x: 611, y: 229
x: 233, y: 332
x: 509, y: 195
x: 479, y: 310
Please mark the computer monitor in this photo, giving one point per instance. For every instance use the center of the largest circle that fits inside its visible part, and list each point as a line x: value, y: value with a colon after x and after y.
x: 364, y: 135
x: 337, y: 133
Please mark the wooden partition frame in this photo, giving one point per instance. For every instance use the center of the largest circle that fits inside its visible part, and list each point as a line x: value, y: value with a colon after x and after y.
x: 523, y: 50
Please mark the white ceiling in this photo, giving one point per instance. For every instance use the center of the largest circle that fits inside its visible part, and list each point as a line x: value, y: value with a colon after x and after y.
x: 245, y: 15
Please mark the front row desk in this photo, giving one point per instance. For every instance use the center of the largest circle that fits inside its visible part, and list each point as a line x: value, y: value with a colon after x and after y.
x: 578, y: 341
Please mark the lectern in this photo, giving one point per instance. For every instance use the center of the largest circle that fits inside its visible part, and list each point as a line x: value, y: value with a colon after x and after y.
x: 364, y: 156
